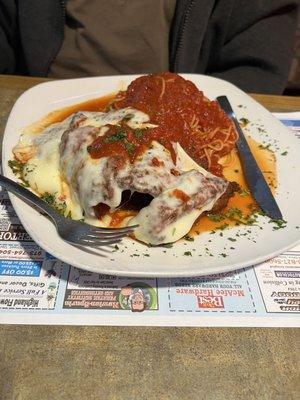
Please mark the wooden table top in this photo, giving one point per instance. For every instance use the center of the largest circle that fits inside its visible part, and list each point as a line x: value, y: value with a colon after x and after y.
x: 86, y: 363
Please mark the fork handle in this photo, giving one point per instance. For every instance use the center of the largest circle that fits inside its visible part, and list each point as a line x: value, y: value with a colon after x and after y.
x: 26, y: 194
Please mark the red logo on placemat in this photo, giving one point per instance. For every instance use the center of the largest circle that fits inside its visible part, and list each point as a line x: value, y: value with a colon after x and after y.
x: 210, y: 302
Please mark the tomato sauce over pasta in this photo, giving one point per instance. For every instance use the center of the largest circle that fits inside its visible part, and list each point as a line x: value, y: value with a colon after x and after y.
x: 182, y: 114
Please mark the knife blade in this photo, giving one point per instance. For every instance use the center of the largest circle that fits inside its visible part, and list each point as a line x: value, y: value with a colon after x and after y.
x: 252, y: 173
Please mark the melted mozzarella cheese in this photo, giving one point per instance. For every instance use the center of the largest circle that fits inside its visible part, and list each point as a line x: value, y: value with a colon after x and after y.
x: 72, y: 175
x: 42, y: 170
x: 57, y: 162
x: 168, y: 217
x: 151, y: 172
x: 185, y: 163
x: 136, y: 118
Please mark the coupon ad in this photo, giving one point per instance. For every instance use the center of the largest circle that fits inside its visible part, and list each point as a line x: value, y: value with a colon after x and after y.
x: 279, y: 282
x: 87, y: 290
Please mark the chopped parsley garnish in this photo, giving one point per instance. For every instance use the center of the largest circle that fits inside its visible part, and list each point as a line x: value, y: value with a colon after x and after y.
x: 222, y: 227
x: 279, y: 224
x: 251, y: 220
x: 232, y: 239
x: 261, y: 130
x: 16, y: 166
x: 244, y: 192
x: 189, y: 238
x: 69, y: 215
x: 167, y: 245
x: 119, y: 136
x: 266, y: 147
x: 138, y: 133
x: 187, y: 253
x: 244, y: 121
x: 130, y: 147
x: 234, y: 213
x: 49, y: 198
x: 284, y: 153
x: 215, y: 217
x: 116, y: 137
x: 127, y: 117
x: 18, y: 169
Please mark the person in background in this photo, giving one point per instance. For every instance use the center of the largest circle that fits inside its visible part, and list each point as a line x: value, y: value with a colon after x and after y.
x: 248, y: 43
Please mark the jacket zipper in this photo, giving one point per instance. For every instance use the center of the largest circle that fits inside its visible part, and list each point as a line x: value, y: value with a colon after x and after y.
x: 63, y: 17
x: 63, y: 9
x: 181, y: 34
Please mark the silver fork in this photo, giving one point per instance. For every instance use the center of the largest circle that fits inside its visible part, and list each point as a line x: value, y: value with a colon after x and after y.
x: 74, y: 232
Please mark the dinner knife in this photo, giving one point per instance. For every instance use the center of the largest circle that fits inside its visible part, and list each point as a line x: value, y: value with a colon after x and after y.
x: 253, y: 175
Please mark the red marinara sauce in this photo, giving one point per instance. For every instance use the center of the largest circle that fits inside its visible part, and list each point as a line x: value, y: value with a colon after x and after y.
x: 182, y: 114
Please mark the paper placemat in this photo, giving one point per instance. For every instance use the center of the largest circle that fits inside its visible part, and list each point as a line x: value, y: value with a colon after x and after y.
x: 36, y: 288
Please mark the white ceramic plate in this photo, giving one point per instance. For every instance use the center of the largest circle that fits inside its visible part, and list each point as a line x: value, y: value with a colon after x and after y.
x: 208, y: 251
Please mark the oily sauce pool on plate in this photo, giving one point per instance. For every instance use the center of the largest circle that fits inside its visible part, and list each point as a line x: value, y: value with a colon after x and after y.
x: 243, y: 201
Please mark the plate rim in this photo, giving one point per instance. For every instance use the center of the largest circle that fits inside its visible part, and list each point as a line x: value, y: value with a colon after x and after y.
x: 113, y: 270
